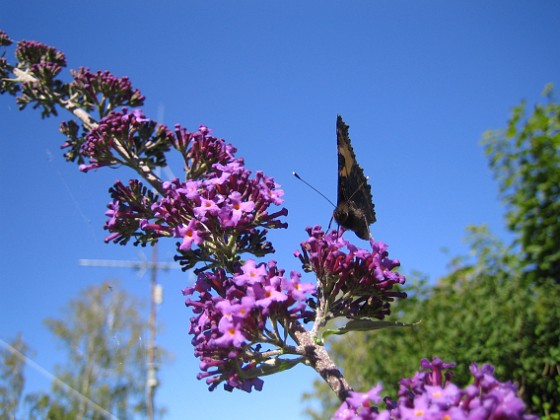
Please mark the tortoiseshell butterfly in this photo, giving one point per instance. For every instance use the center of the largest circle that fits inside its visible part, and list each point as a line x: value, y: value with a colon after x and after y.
x: 354, y: 208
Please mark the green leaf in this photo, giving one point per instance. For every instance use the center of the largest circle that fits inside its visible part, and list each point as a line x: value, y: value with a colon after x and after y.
x: 270, y: 367
x: 364, y: 324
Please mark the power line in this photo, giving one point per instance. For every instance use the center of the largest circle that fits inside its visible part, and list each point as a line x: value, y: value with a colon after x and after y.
x: 59, y: 382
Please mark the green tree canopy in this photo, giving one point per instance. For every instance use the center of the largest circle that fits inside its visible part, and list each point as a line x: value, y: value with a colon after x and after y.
x: 105, y: 370
x: 12, y: 379
x: 525, y: 159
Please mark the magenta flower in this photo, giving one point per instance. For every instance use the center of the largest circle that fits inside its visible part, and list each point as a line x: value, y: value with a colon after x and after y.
x: 235, y: 315
x: 357, y: 282
x: 190, y: 190
x: 431, y: 395
x: 207, y: 206
x: 252, y: 274
x: 244, y: 308
x: 191, y: 233
x: 300, y: 291
x: 231, y: 334
x: 220, y: 200
x: 237, y: 208
x: 268, y: 295
x: 360, y: 405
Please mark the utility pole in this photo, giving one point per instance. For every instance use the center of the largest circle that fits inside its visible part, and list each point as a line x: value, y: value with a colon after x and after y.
x: 156, y: 295
x: 155, y: 299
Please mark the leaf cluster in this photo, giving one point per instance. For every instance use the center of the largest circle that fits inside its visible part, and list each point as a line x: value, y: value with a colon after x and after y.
x: 12, y: 378
x: 525, y: 159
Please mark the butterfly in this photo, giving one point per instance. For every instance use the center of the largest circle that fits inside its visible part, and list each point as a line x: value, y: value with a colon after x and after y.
x: 354, y: 207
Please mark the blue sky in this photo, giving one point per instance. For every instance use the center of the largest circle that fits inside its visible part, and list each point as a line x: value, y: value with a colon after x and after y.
x: 418, y: 83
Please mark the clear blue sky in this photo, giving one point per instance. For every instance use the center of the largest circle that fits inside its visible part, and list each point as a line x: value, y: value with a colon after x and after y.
x: 418, y: 83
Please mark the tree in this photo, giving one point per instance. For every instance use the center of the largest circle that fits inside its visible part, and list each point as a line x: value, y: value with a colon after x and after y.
x: 105, y: 369
x: 12, y: 379
x: 525, y: 159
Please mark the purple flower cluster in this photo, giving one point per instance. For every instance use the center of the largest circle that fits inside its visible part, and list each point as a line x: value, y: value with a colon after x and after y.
x: 357, y: 282
x: 34, y: 76
x: 226, y: 206
x: 5, y: 40
x: 201, y: 151
x: 217, y: 216
x: 219, y: 213
x: 124, y: 138
x: 129, y: 213
x: 103, y: 91
x: 236, y: 315
x: 431, y: 395
x: 5, y: 68
x: 43, y: 61
x: 37, y: 71
x: 226, y: 209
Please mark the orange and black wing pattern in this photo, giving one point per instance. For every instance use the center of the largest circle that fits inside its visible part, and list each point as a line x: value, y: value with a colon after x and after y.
x: 354, y: 208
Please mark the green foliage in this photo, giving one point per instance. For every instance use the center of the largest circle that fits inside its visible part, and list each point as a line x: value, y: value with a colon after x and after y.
x: 363, y: 324
x: 105, y: 369
x: 12, y: 378
x: 525, y: 160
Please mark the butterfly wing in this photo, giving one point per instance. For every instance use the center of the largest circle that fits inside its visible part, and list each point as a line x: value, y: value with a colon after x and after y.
x: 355, y: 209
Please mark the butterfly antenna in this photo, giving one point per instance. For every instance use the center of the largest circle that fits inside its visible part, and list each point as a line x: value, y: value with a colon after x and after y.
x: 313, y: 188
